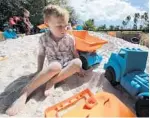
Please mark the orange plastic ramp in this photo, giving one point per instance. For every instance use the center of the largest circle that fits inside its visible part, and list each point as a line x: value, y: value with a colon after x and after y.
x: 86, y: 42
x: 89, y: 102
x: 103, y: 104
x: 108, y: 106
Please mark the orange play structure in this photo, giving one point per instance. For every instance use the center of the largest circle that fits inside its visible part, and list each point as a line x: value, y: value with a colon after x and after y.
x: 103, y: 104
x: 84, y: 41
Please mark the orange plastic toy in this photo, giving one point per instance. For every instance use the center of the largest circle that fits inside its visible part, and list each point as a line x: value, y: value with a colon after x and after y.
x: 42, y: 26
x: 86, y: 42
x: 103, y: 104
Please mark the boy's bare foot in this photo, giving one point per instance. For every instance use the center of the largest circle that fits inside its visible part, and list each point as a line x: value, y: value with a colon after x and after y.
x: 49, y: 91
x: 17, y: 105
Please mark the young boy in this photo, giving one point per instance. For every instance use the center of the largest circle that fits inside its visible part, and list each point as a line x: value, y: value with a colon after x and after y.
x: 62, y: 56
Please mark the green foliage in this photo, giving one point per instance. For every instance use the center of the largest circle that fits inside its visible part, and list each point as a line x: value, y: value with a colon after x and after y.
x: 136, y: 18
x: 127, y: 20
x: 100, y: 28
x: 89, y: 25
x: 111, y: 27
x: 10, y: 8
x: 145, y: 24
x: 117, y: 27
x: 124, y: 23
x: 35, y: 9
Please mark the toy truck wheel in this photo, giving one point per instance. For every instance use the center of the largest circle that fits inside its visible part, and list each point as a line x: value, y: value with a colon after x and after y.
x: 110, y: 75
x: 84, y: 63
x: 142, y: 107
x: 135, y: 40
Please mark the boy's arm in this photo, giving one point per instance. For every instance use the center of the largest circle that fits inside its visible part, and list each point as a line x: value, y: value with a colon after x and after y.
x: 41, y: 56
x: 76, y: 55
x: 74, y: 50
x: 41, y: 59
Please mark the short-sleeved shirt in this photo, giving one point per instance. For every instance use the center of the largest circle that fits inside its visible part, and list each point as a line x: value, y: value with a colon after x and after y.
x: 61, y: 51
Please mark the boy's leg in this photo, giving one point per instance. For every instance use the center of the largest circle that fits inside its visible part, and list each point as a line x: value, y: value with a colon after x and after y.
x: 40, y: 79
x: 73, y: 67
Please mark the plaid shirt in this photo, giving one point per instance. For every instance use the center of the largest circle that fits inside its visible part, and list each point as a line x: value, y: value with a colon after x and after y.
x: 61, y: 51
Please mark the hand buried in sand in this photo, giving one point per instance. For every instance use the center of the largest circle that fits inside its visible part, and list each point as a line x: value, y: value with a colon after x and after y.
x: 82, y: 73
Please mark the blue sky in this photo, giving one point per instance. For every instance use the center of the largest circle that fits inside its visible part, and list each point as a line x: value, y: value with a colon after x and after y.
x: 142, y: 3
x: 108, y: 11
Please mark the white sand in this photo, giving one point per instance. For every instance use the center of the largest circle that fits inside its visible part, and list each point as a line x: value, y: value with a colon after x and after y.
x: 16, y: 71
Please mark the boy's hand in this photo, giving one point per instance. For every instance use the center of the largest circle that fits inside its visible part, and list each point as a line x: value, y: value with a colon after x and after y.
x: 81, y: 73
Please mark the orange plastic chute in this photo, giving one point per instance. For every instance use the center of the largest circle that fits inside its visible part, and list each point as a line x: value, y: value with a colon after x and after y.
x: 103, y: 104
x: 86, y: 42
x: 86, y: 94
x: 108, y: 106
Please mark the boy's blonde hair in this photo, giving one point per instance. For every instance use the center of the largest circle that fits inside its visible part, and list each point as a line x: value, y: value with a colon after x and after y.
x: 53, y: 10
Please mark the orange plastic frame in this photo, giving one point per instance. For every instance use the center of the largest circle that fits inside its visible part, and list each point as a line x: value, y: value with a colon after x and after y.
x: 86, y: 94
x: 103, y: 104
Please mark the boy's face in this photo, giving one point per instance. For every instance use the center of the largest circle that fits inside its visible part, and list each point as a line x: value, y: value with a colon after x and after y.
x: 58, y: 26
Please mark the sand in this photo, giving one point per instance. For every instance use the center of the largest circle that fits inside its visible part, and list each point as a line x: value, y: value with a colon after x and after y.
x: 21, y: 62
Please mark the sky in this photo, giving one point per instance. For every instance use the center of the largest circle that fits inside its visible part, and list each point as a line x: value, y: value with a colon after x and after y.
x: 110, y: 12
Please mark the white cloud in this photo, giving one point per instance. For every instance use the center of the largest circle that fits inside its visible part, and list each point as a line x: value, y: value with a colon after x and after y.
x: 104, y: 9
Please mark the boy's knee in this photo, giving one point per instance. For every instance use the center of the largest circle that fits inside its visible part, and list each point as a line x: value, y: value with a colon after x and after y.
x: 55, y: 66
x: 77, y: 62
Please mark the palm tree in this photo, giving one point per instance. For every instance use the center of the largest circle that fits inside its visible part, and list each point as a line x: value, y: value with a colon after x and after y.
x: 111, y: 27
x: 104, y: 26
x: 128, y: 18
x: 146, y: 16
x: 99, y: 28
x: 136, y: 17
x: 141, y: 27
x: 117, y: 27
x: 146, y: 21
x: 124, y: 24
x: 142, y: 21
x: 144, y: 24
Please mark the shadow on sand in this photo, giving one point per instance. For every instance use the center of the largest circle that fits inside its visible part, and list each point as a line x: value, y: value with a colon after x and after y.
x: 13, y: 91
